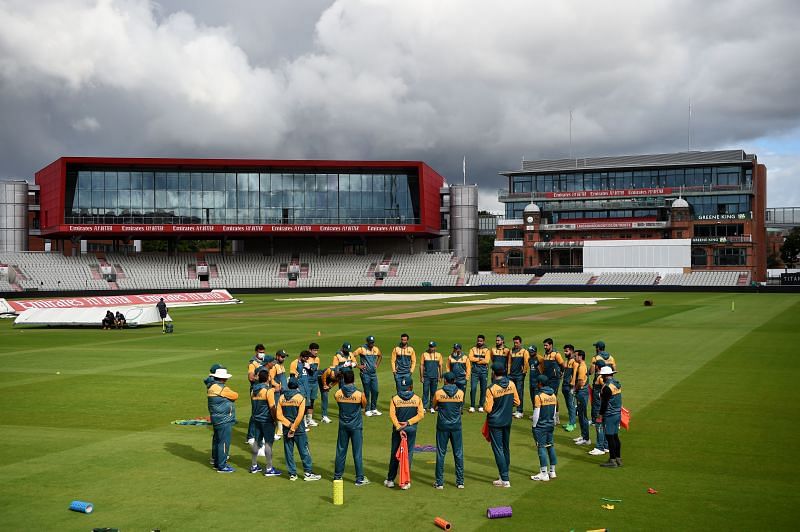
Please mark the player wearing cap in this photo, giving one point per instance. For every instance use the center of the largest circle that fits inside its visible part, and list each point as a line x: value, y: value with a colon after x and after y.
x: 255, y: 362
x: 479, y: 357
x: 327, y: 380
x: 544, y: 423
x: 501, y: 398
x: 581, y: 389
x: 602, y: 354
x: 263, y: 420
x: 289, y: 411
x: 519, y: 360
x: 430, y: 373
x: 610, y: 413
x: 500, y: 353
x: 404, y: 360
x: 344, y: 355
x: 552, y: 366
x: 405, y: 411
x: 222, y: 410
x: 459, y: 364
x: 601, y: 445
x: 566, y: 386
x: 369, y: 356
x: 535, y: 362
x: 449, y: 402
x: 299, y: 368
x: 351, y: 402
x: 312, y: 376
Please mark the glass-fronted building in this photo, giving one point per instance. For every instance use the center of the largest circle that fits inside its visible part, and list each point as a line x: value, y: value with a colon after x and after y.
x: 632, y: 197
x: 122, y: 198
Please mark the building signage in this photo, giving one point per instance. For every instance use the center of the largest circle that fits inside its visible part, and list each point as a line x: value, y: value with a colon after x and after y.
x: 133, y: 229
x: 602, y: 225
x: 790, y: 278
x: 740, y: 216
x: 709, y: 240
x: 174, y: 300
x: 577, y: 194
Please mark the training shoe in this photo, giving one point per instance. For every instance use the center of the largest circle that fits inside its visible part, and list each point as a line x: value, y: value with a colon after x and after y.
x: 543, y: 477
x: 480, y: 409
x: 501, y: 483
x: 250, y: 441
x: 619, y: 462
x: 363, y: 482
x: 278, y: 437
x: 586, y: 442
x: 569, y: 428
x: 406, y: 486
x: 308, y: 477
x: 377, y: 412
x: 433, y: 411
x: 472, y: 409
x: 518, y: 415
x: 272, y: 472
x: 552, y: 475
x: 596, y: 452
x: 312, y: 423
x: 326, y: 419
x: 369, y: 413
x: 438, y: 486
x: 226, y: 469
x: 292, y: 477
x: 388, y: 483
x: 611, y: 463
x: 606, y: 451
x: 255, y: 469
x: 460, y: 486
x: 579, y: 438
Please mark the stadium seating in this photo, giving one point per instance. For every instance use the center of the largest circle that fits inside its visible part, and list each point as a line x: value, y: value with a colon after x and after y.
x: 510, y: 279
x: 565, y: 279
x: 627, y: 278
x: 703, y: 279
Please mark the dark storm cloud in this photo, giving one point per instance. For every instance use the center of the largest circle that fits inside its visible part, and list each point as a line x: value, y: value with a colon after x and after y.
x: 397, y: 80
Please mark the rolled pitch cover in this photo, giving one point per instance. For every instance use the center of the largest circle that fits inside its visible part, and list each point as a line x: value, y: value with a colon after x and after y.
x: 81, y: 506
x: 441, y: 523
x: 338, y: 491
x: 498, y: 511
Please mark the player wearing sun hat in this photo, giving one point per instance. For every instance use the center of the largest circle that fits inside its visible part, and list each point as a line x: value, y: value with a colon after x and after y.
x: 222, y: 410
x: 430, y: 373
x: 610, y: 414
x: 370, y: 358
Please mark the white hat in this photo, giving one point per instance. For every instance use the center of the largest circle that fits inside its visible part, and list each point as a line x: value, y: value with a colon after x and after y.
x: 221, y: 373
x: 605, y: 370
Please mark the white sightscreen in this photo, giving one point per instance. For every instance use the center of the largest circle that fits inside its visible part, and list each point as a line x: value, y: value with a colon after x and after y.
x: 662, y: 256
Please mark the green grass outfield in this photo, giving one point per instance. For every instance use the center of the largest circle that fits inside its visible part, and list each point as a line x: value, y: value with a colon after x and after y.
x: 713, y: 394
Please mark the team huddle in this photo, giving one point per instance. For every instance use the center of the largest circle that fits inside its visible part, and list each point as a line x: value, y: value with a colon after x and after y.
x: 283, y: 403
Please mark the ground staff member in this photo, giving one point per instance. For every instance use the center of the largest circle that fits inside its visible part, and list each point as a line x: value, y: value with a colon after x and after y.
x: 566, y: 386
x: 222, y: 409
x: 351, y: 402
x: 289, y: 411
x: 581, y: 391
x: 600, y: 447
x: 404, y: 360
x: 449, y: 402
x: 501, y: 398
x: 610, y: 413
x: 518, y: 366
x: 544, y: 423
x: 263, y: 421
x: 479, y: 357
x: 370, y: 358
x: 430, y: 373
x: 405, y: 411
x: 460, y: 366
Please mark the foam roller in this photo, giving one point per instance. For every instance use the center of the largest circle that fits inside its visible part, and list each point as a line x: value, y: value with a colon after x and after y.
x: 441, y: 523
x: 338, y: 492
x: 81, y: 506
x: 498, y: 511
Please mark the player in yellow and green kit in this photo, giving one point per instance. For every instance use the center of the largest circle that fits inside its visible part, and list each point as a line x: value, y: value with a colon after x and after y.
x: 430, y: 373
x: 580, y: 387
x: 517, y: 367
x: 544, y: 423
x: 405, y: 411
x: 566, y: 386
x: 369, y: 357
x: 500, y: 353
x: 289, y: 411
x: 222, y: 410
x: 351, y: 403
x: 479, y: 358
x: 610, y: 414
x: 461, y: 367
x: 404, y: 360
x: 263, y: 419
x: 449, y: 402
x: 501, y: 398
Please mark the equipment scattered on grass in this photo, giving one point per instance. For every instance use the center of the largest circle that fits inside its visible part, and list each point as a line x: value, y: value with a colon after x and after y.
x: 498, y: 512
x: 610, y: 500
x: 81, y: 506
x: 338, y: 492
x: 424, y: 448
x: 442, y: 523
x: 608, y: 506
x: 195, y: 421
x: 651, y: 491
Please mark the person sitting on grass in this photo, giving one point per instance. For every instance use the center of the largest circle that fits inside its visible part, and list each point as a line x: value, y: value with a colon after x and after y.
x: 119, y: 320
x: 108, y: 320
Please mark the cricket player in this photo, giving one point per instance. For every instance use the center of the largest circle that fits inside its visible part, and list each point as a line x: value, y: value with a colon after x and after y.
x: 312, y: 376
x: 535, y: 362
x: 544, y: 423
x: 552, y: 366
x: 263, y: 419
x: 518, y: 366
x: 501, y: 398
x: 299, y: 369
x: 566, y: 386
x: 222, y: 410
x: 344, y: 355
x: 459, y: 364
x: 479, y: 357
x: 255, y: 362
x: 610, y: 414
x: 369, y: 357
x: 601, y: 445
x: 404, y: 360
x: 327, y: 380
x: 430, y: 373
x: 351, y: 429
x: 500, y: 353
x: 405, y: 411
x: 581, y: 390
x: 289, y: 411
x: 277, y: 379
x: 449, y: 403
x: 601, y: 353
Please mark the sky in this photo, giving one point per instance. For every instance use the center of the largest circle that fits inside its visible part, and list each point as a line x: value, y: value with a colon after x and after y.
x: 435, y: 81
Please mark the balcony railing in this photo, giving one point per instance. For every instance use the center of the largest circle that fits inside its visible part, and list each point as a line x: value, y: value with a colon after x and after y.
x: 504, y: 195
x: 188, y: 220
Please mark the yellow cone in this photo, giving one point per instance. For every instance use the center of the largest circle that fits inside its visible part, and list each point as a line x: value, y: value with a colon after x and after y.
x: 338, y: 492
